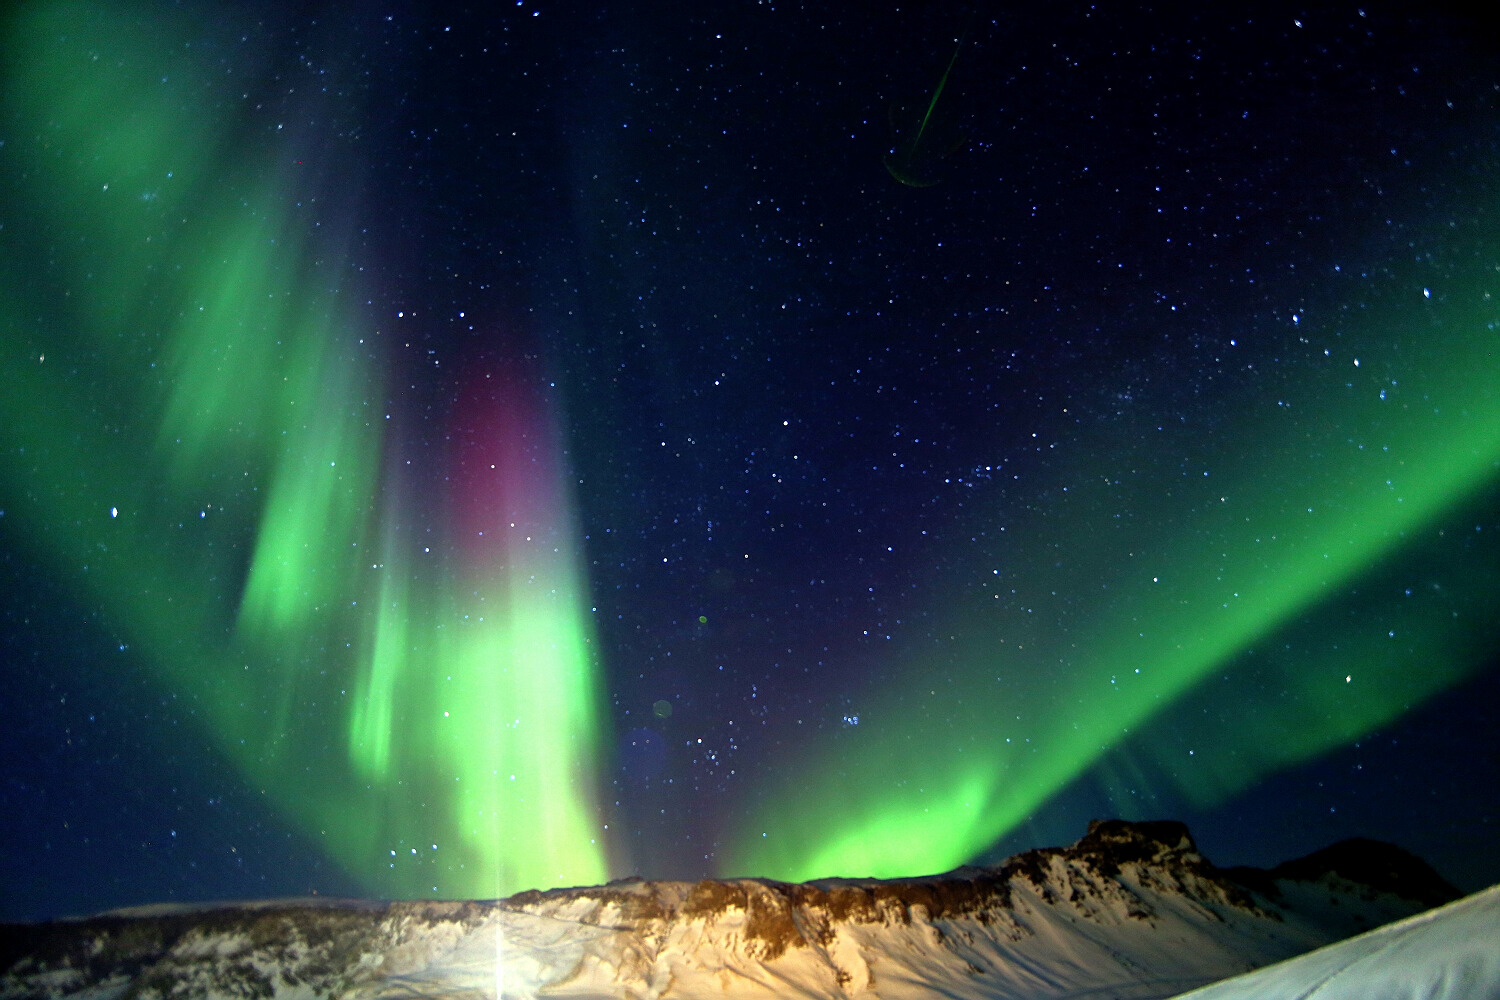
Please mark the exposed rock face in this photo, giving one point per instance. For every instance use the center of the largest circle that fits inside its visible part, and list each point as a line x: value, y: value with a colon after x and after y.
x: 778, y: 915
x: 256, y: 950
x: 1131, y: 908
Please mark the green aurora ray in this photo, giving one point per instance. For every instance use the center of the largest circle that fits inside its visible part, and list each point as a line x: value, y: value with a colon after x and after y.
x: 1147, y: 579
x: 158, y: 273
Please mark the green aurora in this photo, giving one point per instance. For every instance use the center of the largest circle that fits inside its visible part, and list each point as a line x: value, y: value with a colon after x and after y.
x: 437, y: 726
x: 190, y: 291
x: 1349, y: 471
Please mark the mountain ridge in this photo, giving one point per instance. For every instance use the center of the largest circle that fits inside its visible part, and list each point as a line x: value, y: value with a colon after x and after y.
x: 1132, y: 908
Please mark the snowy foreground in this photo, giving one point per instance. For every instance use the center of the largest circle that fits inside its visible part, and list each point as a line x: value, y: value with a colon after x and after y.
x: 1131, y: 911
x: 1451, y: 953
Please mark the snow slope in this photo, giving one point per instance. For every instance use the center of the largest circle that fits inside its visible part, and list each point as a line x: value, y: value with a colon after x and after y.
x: 1131, y: 911
x: 1451, y: 953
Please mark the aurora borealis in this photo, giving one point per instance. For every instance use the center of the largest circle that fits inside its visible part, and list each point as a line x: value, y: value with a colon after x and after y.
x: 297, y: 607
x: 400, y: 409
x: 1158, y: 610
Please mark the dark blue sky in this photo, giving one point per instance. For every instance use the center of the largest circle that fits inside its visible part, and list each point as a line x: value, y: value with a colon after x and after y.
x: 836, y: 437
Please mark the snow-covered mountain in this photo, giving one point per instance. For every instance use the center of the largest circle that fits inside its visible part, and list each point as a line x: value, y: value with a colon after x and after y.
x: 1451, y: 953
x: 1130, y: 911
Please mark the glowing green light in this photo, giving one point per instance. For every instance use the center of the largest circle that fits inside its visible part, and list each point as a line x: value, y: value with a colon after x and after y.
x: 189, y: 436
x: 999, y: 711
x: 372, y: 716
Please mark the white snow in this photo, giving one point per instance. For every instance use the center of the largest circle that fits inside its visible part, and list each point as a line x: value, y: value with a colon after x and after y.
x: 1113, y: 937
x: 1450, y: 953
x: 1123, y: 914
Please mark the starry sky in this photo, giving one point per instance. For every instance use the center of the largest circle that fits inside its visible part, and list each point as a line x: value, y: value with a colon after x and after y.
x: 448, y: 453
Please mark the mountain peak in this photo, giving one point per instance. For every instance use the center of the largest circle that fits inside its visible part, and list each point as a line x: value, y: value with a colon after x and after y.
x: 1144, y: 841
x: 1381, y: 866
x: 1131, y: 909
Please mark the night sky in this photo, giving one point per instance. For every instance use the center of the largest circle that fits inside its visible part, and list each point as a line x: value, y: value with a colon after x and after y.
x: 447, y: 453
